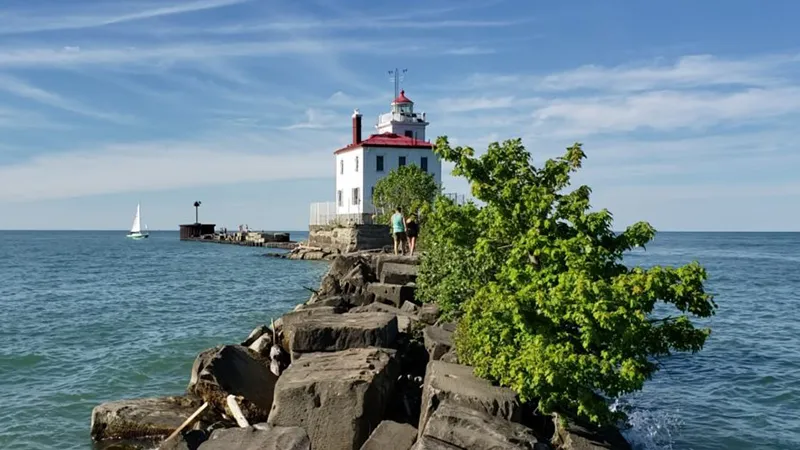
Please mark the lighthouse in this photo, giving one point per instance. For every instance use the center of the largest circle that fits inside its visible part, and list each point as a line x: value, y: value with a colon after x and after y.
x: 399, y: 140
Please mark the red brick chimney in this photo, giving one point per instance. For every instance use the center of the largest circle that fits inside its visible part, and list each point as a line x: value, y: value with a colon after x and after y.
x: 356, y: 127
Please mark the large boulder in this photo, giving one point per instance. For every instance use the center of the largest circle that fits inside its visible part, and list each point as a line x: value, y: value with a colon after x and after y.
x: 395, y: 273
x: 234, y: 370
x: 258, y: 437
x: 471, y: 429
x: 142, y: 418
x: 391, y: 436
x: 288, y: 320
x: 438, y: 340
x: 455, y: 382
x: 255, y: 334
x: 392, y: 294
x: 380, y: 260
x: 335, y: 332
x: 337, y: 397
x: 404, y: 319
x: 574, y: 435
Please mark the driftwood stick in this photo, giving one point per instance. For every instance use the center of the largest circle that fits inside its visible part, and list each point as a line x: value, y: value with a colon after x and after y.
x: 233, y: 405
x: 187, y: 422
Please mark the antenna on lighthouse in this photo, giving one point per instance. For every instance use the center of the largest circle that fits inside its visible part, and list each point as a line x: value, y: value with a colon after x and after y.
x: 397, y: 75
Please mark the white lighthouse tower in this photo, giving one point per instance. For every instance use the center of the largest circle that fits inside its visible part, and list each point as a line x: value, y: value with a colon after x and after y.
x: 400, y: 140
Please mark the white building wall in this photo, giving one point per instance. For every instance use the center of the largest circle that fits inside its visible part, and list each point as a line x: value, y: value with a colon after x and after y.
x: 350, y: 175
x: 391, y: 161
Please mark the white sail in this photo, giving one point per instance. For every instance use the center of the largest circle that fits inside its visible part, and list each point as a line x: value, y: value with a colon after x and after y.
x: 137, y: 221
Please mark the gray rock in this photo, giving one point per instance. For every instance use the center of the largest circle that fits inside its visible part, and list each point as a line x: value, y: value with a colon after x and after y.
x: 190, y: 440
x: 394, y: 273
x: 336, y: 301
x: 391, y: 436
x: 438, y: 340
x: 470, y: 429
x: 576, y: 436
x: 297, y: 316
x: 334, y: 332
x: 380, y: 260
x: 455, y: 382
x: 255, y: 334
x: 142, y: 418
x: 258, y: 437
x: 391, y: 294
x: 429, y: 313
x: 404, y: 319
x: 410, y: 307
x: 236, y: 370
x: 338, y: 397
x: 450, y: 357
x: 262, y: 345
x: 429, y: 443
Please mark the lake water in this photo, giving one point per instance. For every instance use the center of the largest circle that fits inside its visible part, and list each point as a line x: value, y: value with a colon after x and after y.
x: 89, y: 317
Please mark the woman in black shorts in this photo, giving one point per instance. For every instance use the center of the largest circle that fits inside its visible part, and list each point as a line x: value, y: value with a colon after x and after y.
x: 412, y: 230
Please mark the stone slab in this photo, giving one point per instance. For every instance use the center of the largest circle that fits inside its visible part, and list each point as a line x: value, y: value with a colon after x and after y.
x: 392, y: 294
x: 445, y: 381
x: 141, y: 418
x: 258, y: 437
x: 395, y: 273
x: 335, y: 332
x: 404, y: 319
x: 338, y: 397
x: 391, y: 435
x: 438, y: 340
x: 471, y: 429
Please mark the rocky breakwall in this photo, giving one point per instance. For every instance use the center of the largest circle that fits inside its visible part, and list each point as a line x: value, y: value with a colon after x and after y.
x: 361, y: 365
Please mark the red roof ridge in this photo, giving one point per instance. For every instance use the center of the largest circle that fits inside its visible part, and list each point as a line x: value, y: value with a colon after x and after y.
x: 388, y: 140
x: 402, y: 98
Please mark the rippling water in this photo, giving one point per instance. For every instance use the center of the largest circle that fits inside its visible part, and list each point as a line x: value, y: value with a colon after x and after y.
x: 89, y: 317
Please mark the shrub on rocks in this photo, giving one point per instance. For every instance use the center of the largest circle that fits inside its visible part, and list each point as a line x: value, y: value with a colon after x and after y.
x: 546, y: 304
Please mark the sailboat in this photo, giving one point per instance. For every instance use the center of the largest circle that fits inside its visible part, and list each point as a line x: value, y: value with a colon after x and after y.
x: 136, y: 228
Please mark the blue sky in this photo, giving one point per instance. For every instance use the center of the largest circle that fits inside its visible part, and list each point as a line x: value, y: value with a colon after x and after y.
x: 686, y: 109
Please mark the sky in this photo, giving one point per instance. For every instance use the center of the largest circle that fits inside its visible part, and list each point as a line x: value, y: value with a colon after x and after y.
x: 687, y: 110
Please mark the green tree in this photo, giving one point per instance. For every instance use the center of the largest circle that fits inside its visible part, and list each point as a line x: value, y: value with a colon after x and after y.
x: 553, y: 312
x: 408, y: 187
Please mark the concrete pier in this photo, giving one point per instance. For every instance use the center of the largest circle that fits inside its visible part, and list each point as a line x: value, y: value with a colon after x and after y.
x: 247, y: 239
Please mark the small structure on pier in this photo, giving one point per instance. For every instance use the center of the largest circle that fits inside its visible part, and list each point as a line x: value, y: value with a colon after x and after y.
x: 196, y: 230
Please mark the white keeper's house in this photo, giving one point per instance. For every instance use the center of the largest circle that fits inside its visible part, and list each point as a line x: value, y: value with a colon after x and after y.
x: 399, y: 140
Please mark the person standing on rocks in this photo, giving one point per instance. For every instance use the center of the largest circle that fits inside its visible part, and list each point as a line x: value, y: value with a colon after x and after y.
x: 412, y: 231
x: 399, y: 230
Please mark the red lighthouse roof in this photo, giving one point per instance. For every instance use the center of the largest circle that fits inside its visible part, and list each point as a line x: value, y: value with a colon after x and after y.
x: 402, y: 98
x: 388, y: 140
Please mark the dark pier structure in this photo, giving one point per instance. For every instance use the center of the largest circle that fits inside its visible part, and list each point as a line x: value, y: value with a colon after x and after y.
x: 206, y: 232
x: 196, y: 230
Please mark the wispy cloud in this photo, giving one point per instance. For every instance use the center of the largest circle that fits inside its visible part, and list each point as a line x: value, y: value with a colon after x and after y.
x: 23, y: 89
x: 319, y: 119
x: 467, y: 51
x: 31, y: 22
x: 193, y: 51
x: 664, y: 110
x: 686, y: 72
x: 153, y: 166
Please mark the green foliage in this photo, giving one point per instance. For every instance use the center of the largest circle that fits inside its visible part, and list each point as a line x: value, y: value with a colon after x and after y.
x: 408, y: 187
x: 447, y: 273
x: 547, y: 306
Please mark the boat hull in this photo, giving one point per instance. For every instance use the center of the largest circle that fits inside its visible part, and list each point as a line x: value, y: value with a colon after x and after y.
x: 137, y: 236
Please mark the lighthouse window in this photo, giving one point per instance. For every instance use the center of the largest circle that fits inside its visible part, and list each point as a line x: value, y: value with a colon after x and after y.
x: 401, y: 161
x: 356, y: 197
x: 423, y: 163
x: 409, y: 133
x: 341, y: 166
x: 379, y: 163
x: 356, y: 163
x: 339, y: 197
